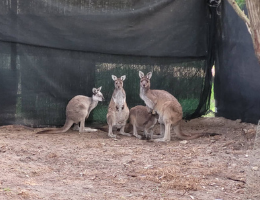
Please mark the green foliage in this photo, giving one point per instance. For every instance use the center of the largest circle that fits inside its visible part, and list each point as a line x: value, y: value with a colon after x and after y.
x: 6, y: 189
x: 241, y: 3
x: 212, y: 104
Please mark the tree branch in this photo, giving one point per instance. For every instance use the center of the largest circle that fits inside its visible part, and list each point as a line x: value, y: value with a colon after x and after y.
x: 253, y: 7
x: 240, y: 13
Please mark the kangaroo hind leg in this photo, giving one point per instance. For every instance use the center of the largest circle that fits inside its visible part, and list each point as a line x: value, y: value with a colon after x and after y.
x: 110, y: 131
x: 82, y: 125
x: 122, y: 131
x: 167, y: 134
x: 110, y: 122
x: 135, y: 132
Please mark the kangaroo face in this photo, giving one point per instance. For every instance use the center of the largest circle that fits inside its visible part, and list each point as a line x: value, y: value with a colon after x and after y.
x: 97, y: 95
x: 144, y: 83
x: 145, y: 80
x: 119, y: 81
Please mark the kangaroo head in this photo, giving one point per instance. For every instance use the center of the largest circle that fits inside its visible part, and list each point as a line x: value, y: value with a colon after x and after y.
x: 119, y: 81
x: 97, y: 95
x: 145, y: 80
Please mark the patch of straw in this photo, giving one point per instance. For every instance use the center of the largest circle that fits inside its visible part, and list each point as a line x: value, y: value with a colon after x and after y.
x: 172, y: 178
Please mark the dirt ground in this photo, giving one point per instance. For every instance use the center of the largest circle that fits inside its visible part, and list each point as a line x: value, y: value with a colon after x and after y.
x: 92, y: 166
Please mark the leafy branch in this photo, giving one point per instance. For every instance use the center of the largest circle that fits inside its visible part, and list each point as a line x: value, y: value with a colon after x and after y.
x: 235, y: 4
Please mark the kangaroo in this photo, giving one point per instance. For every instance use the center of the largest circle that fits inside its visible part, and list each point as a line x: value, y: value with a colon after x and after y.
x: 78, y: 110
x: 141, y: 118
x: 118, y: 111
x: 167, y: 107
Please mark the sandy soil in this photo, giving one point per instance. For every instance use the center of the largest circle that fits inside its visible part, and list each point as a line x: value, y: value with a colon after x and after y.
x: 92, y: 166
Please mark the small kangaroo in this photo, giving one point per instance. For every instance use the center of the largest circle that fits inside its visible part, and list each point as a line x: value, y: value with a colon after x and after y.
x: 141, y: 118
x: 78, y: 110
x: 167, y: 107
x: 118, y: 112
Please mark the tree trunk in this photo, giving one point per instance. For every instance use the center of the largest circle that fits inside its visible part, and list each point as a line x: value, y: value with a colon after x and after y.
x: 253, y: 7
x: 253, y: 23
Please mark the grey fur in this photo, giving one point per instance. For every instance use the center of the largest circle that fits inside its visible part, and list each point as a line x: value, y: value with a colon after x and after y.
x: 141, y: 118
x: 78, y: 110
x: 118, y: 110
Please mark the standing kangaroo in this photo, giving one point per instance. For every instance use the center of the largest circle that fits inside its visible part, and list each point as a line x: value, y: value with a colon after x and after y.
x: 141, y: 118
x: 167, y: 107
x: 78, y: 110
x: 118, y: 111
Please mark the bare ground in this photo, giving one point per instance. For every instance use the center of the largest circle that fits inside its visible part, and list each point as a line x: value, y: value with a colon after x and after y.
x: 93, y: 166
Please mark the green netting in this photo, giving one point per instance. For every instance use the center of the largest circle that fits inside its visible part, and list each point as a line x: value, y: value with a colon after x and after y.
x: 174, y: 78
x: 53, y: 50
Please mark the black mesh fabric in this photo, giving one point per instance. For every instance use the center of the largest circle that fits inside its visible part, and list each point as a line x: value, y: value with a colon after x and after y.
x: 52, y: 50
x: 173, y: 28
x: 237, y: 83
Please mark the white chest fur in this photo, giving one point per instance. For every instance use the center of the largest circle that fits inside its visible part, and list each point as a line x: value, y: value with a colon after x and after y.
x: 148, y: 102
x: 119, y: 98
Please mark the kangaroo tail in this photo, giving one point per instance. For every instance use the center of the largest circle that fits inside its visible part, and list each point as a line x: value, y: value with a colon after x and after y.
x: 63, y: 129
x: 103, y: 128
x: 181, y: 135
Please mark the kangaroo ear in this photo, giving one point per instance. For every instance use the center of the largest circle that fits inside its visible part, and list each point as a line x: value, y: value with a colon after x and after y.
x: 114, y: 77
x: 123, y: 77
x: 99, y: 88
x: 141, y: 74
x: 94, y: 90
x: 149, y: 75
